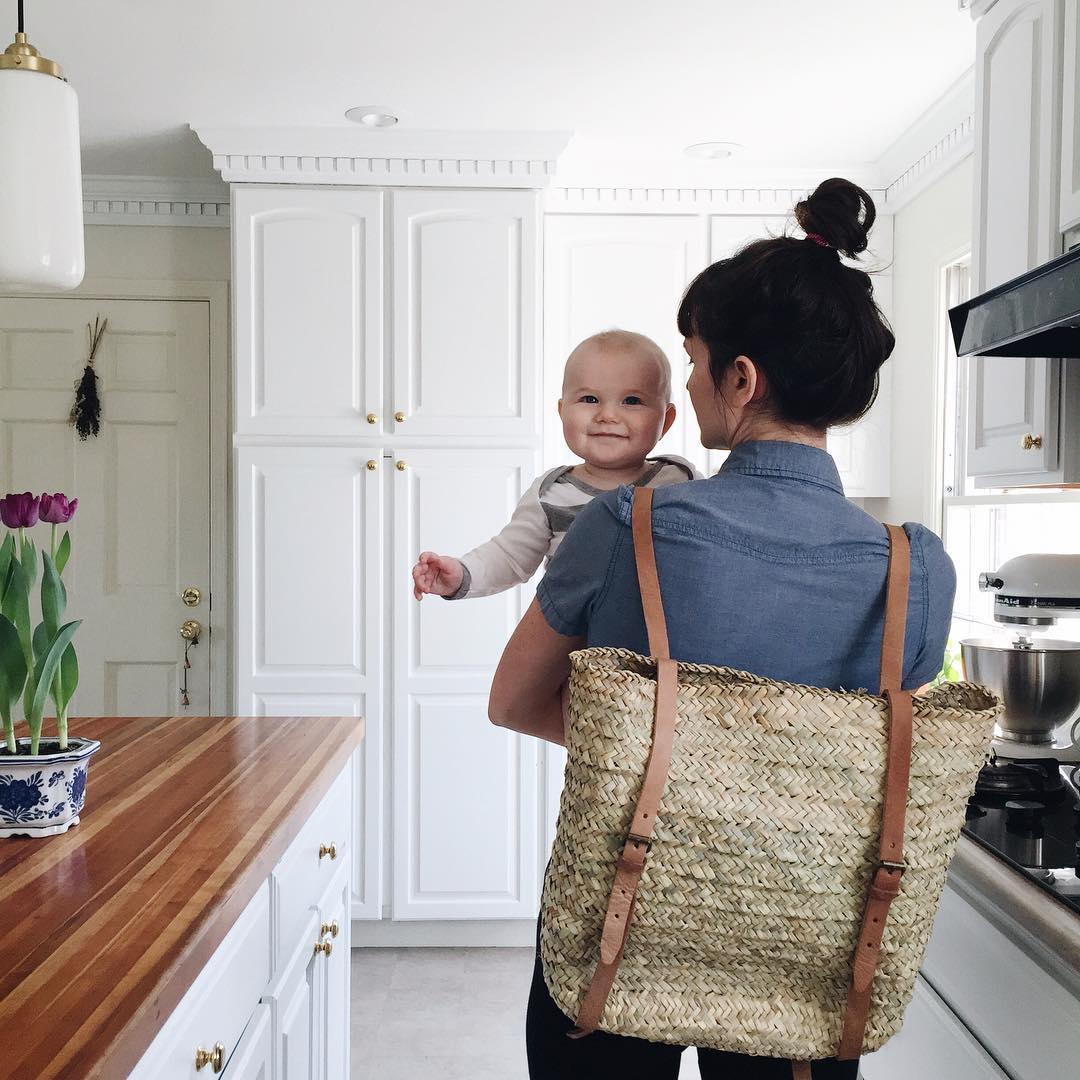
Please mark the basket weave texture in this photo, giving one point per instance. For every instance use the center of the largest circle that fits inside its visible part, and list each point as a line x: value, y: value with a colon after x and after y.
x: 751, y: 901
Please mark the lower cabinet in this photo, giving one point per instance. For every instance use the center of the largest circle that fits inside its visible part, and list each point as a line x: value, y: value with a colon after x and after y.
x: 273, y: 1001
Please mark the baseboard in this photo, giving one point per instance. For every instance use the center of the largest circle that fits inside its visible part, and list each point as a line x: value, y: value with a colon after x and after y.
x: 494, y: 933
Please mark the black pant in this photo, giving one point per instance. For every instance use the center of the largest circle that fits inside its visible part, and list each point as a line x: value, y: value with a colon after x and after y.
x: 601, y: 1056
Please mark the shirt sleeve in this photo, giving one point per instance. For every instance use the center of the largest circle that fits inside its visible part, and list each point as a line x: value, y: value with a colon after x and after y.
x: 511, y: 557
x: 928, y: 555
x: 578, y: 572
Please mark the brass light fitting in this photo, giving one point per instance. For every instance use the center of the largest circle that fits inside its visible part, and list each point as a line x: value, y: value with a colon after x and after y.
x: 20, y: 55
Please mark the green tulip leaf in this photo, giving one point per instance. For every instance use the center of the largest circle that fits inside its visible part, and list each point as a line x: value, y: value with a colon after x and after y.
x: 12, y: 668
x: 7, y: 552
x: 68, y: 679
x: 29, y: 562
x: 48, y: 665
x: 16, y: 607
x: 53, y: 600
x: 63, y: 553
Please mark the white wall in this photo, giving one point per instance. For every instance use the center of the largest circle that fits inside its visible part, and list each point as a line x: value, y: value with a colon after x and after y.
x: 160, y: 252
x: 929, y: 233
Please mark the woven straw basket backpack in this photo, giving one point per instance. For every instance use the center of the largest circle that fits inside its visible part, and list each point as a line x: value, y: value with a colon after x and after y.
x: 751, y: 865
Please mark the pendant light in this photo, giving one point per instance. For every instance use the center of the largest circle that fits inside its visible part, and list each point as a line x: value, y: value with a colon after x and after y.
x: 41, y: 220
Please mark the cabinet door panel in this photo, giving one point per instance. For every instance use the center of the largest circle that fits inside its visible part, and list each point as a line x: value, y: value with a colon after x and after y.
x: 253, y: 1058
x: 299, y: 1015
x: 465, y: 793
x: 309, y: 309
x: 932, y: 1043
x: 336, y: 993
x: 464, y: 303
x: 627, y: 271
x: 1070, y: 119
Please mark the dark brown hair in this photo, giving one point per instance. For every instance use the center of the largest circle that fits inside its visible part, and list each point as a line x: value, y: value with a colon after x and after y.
x: 807, y: 319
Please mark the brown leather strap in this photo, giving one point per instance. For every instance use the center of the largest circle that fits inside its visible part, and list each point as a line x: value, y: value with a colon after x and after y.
x: 885, y: 884
x: 801, y: 1070
x: 631, y: 864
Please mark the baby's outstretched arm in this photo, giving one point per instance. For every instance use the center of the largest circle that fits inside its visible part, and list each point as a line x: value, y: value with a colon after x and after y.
x: 438, y: 574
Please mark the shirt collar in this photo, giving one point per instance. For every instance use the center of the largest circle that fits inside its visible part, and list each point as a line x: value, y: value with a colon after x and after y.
x: 797, y: 461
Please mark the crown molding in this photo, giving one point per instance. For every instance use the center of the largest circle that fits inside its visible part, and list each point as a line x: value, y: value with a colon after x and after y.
x: 352, y: 156
x: 938, y: 141
x: 698, y: 200
x: 153, y: 200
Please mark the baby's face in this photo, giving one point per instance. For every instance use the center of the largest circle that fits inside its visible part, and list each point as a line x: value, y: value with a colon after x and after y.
x: 613, y: 408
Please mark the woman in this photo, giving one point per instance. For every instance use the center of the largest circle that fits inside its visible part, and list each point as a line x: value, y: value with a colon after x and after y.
x: 765, y: 567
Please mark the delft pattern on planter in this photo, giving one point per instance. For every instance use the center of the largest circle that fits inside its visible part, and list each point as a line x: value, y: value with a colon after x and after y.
x: 42, y: 796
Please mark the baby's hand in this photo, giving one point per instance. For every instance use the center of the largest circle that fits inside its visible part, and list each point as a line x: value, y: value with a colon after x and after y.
x: 438, y: 574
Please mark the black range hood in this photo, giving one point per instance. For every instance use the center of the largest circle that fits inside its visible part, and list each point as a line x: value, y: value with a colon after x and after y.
x: 1036, y: 314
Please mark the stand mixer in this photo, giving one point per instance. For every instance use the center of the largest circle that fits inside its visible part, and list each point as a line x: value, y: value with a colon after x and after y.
x: 1038, y: 678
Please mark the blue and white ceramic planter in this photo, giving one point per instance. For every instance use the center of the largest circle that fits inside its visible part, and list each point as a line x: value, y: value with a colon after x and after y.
x: 42, y: 795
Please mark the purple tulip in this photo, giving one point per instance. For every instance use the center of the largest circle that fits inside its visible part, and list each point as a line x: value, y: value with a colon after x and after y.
x: 20, y: 511
x: 56, y: 509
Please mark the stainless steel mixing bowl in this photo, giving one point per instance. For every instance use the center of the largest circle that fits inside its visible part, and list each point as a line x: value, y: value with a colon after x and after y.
x: 1040, y: 683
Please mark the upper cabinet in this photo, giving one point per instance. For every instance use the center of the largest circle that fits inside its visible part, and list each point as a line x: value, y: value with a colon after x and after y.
x: 1019, y: 417
x: 465, y: 298
x: 1070, y: 120
x: 308, y: 309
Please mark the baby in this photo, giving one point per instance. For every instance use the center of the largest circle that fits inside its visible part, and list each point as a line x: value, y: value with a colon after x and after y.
x: 615, y: 407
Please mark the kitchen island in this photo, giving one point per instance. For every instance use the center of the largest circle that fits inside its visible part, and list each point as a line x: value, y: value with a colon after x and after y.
x: 198, y: 914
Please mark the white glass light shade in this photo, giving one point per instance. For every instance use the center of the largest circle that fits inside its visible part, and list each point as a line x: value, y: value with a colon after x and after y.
x: 41, y: 218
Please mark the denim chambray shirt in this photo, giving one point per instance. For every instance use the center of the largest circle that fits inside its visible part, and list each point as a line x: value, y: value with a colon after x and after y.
x: 765, y: 567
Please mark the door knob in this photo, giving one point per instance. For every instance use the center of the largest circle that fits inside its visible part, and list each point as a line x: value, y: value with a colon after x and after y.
x: 372, y: 465
x: 191, y: 596
x: 399, y: 418
x: 372, y: 418
x: 1032, y: 442
x: 401, y: 466
x: 191, y: 630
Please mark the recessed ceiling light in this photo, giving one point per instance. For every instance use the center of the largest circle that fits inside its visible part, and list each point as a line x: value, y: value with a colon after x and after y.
x: 714, y: 150
x: 375, y: 116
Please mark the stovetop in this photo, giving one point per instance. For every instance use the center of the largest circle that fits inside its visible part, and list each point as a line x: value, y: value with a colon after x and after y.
x: 1027, y: 812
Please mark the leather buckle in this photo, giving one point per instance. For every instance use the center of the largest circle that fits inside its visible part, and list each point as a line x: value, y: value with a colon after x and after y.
x: 899, y: 867
x: 635, y: 839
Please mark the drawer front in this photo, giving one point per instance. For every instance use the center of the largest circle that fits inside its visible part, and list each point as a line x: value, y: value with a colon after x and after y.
x: 219, y: 1003
x: 302, y: 874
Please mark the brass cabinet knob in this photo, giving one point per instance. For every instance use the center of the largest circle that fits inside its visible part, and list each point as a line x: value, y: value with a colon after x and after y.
x: 372, y: 465
x: 399, y: 418
x: 324, y: 947
x: 328, y: 849
x: 372, y: 418
x: 401, y: 466
x: 330, y: 928
x: 191, y: 596
x: 1032, y: 442
x: 214, y: 1058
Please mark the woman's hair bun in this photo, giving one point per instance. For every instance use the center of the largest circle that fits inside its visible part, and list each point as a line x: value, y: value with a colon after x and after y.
x: 840, y: 212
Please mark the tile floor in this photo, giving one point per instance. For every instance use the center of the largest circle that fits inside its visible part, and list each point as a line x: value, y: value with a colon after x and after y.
x: 444, y: 1014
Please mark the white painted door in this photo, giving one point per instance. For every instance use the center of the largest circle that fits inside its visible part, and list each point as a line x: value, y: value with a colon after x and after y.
x: 310, y: 597
x: 308, y: 286
x: 141, y: 534
x: 619, y: 270
x: 253, y: 1058
x: 465, y: 297
x: 862, y: 451
x: 1017, y: 80
x: 932, y: 1044
x: 465, y: 793
x: 1070, y: 120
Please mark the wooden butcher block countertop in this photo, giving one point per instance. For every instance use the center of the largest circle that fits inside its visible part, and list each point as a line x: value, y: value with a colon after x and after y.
x: 104, y: 928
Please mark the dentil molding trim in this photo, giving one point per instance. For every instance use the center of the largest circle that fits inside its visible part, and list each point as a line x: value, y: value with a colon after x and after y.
x: 151, y: 200
x: 335, y: 155
x: 653, y: 200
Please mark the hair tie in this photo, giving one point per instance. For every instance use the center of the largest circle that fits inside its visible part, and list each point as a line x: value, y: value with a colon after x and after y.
x: 818, y: 239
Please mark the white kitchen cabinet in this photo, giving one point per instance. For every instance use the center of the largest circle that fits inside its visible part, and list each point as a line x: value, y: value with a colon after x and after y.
x: 465, y: 295
x: 308, y: 310
x: 932, y: 1045
x: 465, y: 793
x: 277, y: 1007
x: 1070, y: 119
x: 253, y: 1058
x: 1014, y: 404
x: 629, y: 271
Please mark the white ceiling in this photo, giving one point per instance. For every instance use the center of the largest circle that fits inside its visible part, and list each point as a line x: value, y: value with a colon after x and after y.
x: 807, y: 83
